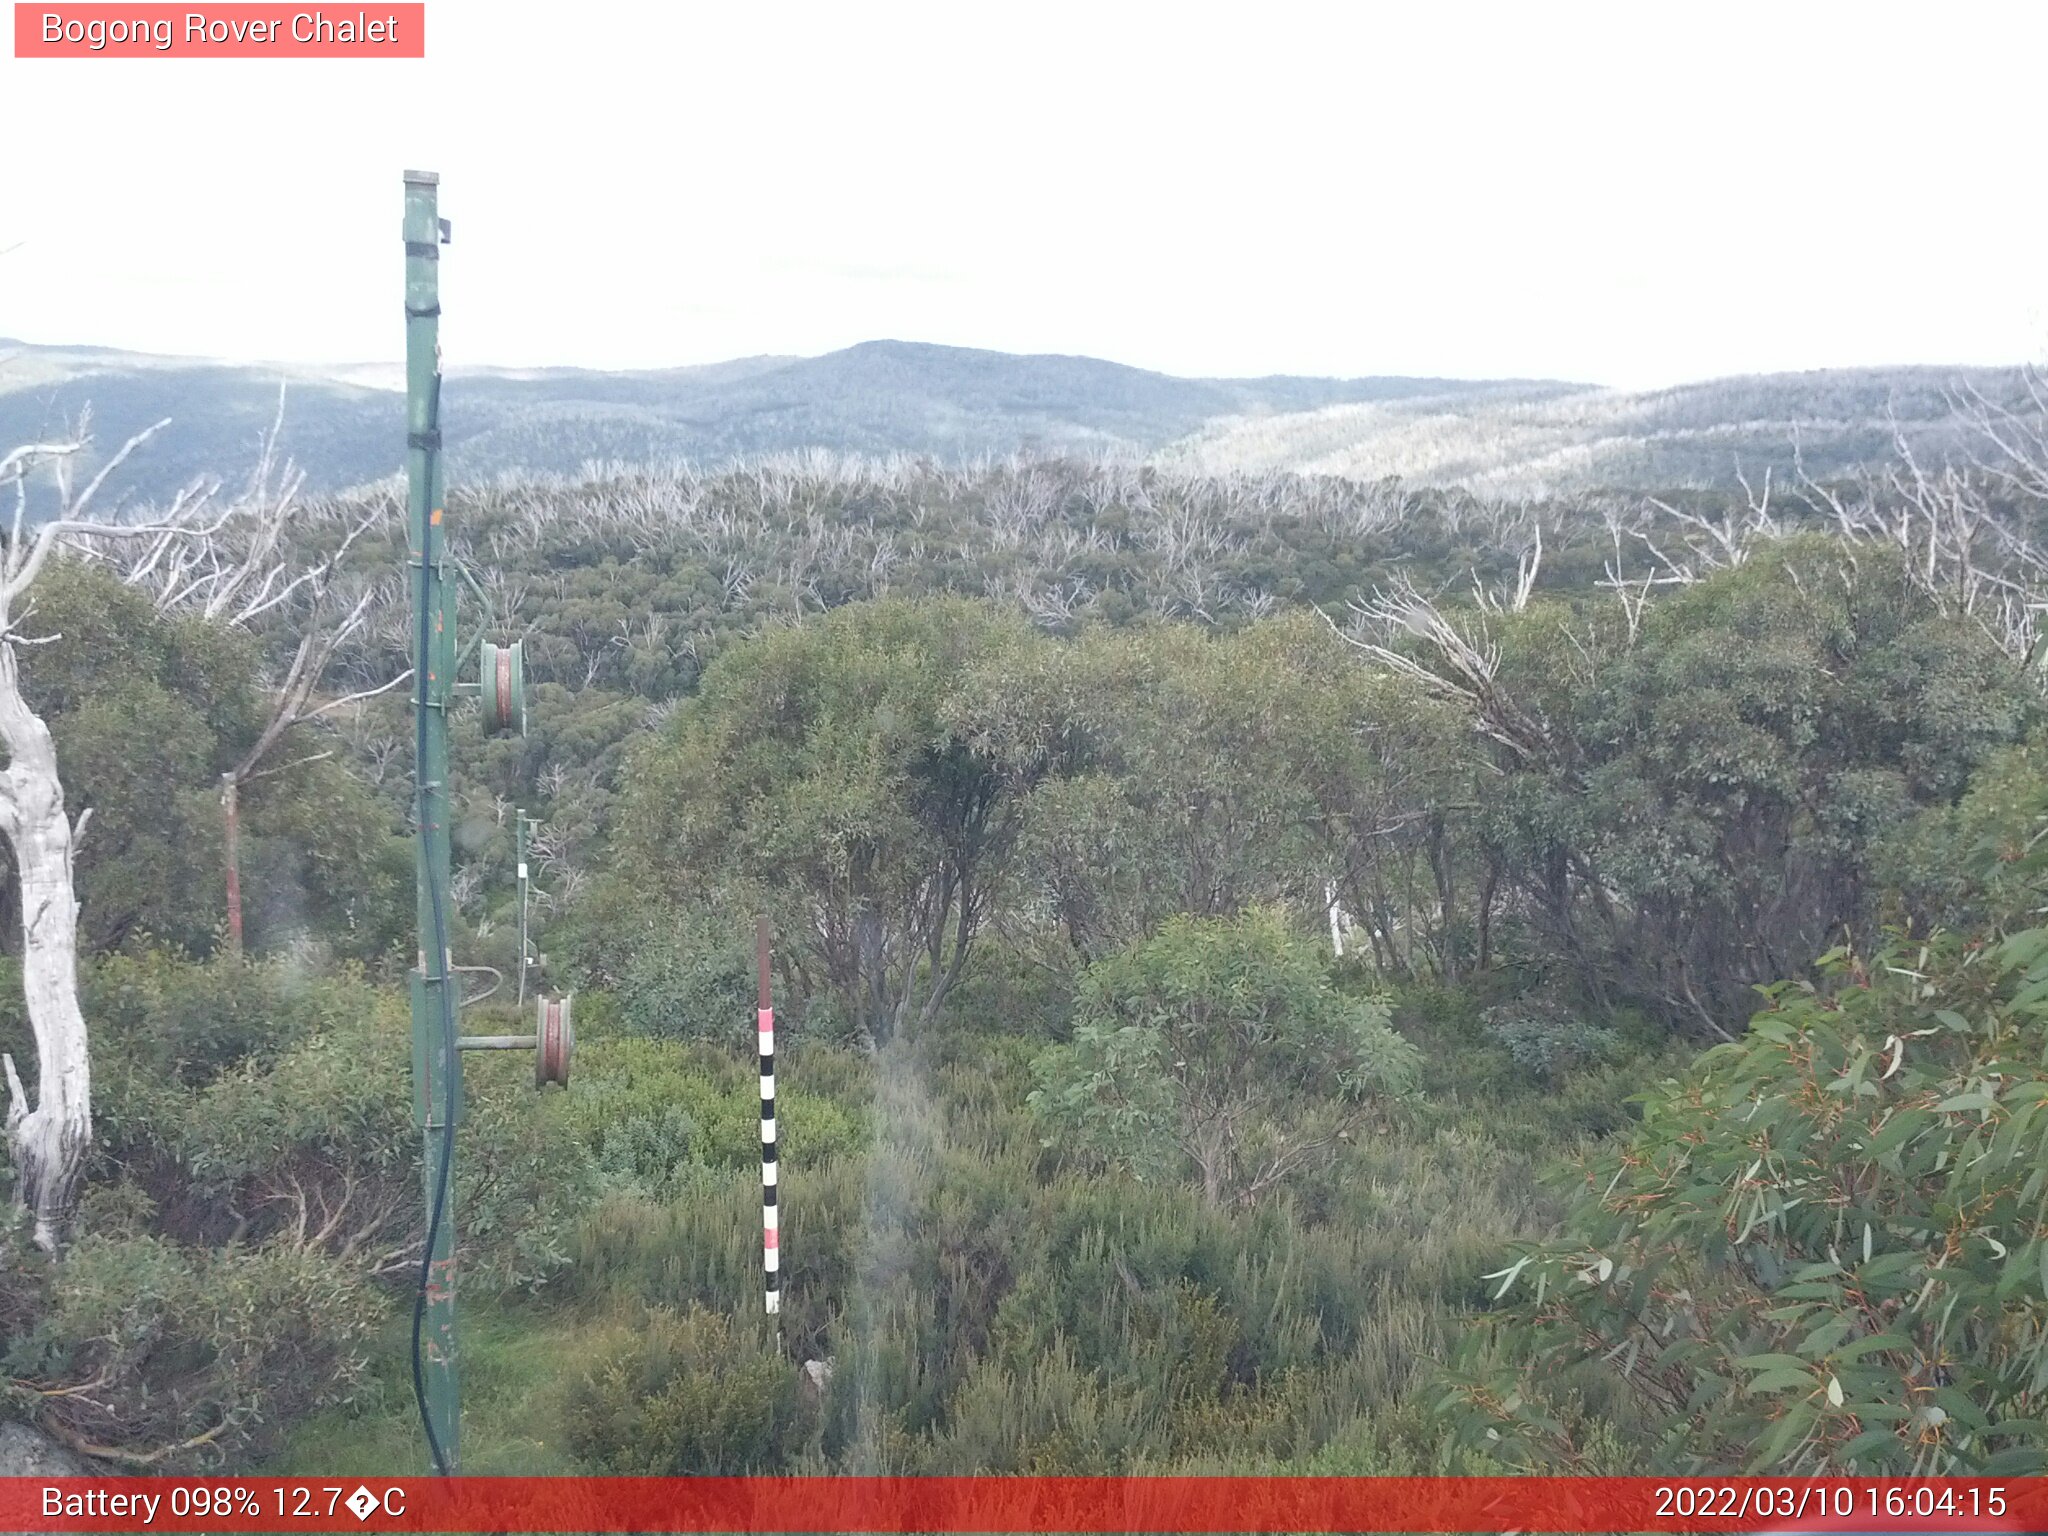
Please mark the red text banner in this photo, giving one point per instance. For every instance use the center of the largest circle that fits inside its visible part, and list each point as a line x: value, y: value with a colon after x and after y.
x: 227, y: 31
x: 1019, y: 1504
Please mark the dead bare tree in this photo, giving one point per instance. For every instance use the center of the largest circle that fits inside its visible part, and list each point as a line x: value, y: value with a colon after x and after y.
x: 48, y: 1138
x: 292, y: 705
x: 247, y: 572
x: 1466, y: 666
x: 1527, y: 565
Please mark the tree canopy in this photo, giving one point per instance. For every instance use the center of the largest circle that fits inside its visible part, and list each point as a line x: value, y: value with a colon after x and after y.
x: 1219, y: 1044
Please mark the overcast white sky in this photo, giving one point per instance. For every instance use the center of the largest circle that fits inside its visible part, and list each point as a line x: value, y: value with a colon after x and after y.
x: 1633, y: 194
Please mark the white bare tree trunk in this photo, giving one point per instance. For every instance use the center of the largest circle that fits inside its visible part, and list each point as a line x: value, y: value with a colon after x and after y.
x: 49, y: 1141
x: 235, y: 579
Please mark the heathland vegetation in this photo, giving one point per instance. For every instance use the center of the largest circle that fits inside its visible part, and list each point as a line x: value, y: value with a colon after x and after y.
x: 1277, y: 973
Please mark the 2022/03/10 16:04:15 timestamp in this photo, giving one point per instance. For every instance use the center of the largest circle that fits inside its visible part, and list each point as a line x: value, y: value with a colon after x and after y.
x: 1827, y: 1501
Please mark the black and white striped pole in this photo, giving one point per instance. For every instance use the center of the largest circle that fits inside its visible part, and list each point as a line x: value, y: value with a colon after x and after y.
x: 771, y: 1234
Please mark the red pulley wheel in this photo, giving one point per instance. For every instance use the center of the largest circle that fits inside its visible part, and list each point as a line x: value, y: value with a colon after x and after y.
x: 501, y: 686
x: 555, y: 1043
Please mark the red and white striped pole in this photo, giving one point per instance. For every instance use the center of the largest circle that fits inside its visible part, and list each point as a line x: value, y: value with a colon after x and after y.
x: 771, y: 1236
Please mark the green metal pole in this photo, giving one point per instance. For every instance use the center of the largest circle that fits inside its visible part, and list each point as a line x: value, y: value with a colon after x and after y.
x: 437, y: 1082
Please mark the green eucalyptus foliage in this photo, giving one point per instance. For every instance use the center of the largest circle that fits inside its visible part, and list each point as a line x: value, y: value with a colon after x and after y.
x: 1547, y: 1040
x: 1205, y: 773
x: 1824, y: 1248
x: 1711, y: 798
x: 1221, y: 1047
x: 822, y: 774
x: 323, y: 861
x: 146, y: 713
x: 1960, y: 866
x: 672, y: 972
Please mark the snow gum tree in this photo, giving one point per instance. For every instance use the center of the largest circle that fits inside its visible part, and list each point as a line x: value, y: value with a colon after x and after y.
x: 47, y: 1138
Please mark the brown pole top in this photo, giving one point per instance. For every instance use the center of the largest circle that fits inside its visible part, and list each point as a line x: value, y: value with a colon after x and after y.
x: 761, y: 955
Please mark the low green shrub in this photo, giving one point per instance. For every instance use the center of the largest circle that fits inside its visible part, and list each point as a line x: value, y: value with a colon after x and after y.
x: 158, y: 1012
x: 1547, y: 1040
x: 309, y: 1141
x: 694, y: 981
x: 690, y: 1393
x: 648, y: 1108
x: 149, y: 1353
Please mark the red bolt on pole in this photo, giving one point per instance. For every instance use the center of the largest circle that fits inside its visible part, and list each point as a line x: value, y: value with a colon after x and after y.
x: 764, y: 1017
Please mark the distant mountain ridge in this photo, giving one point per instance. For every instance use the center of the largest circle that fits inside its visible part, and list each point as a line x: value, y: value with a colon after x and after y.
x: 344, y: 425
x: 1827, y: 423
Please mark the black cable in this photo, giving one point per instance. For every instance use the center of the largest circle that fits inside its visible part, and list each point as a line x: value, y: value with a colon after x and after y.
x: 421, y: 704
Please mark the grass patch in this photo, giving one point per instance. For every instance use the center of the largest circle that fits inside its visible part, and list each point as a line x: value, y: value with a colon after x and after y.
x: 511, y: 1360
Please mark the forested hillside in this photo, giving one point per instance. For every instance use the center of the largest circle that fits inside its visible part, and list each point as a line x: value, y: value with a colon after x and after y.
x: 952, y: 403
x: 1828, y: 423
x: 1278, y: 972
x: 1516, y: 438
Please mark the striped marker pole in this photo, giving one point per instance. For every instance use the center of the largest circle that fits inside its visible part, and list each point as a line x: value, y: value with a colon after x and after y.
x: 771, y: 1235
